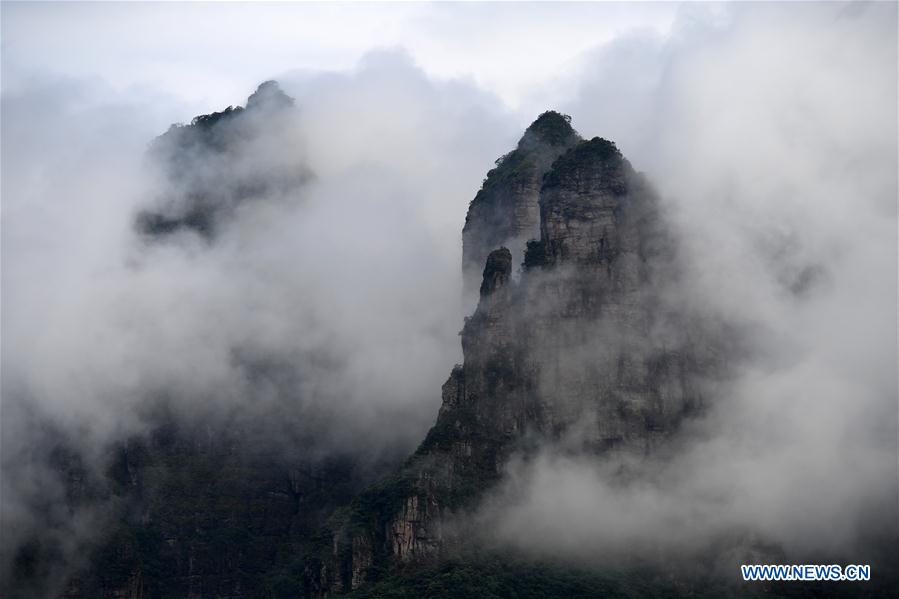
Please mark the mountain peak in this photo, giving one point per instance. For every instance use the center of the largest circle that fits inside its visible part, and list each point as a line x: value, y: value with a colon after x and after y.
x: 214, y: 143
x: 553, y: 128
x: 269, y: 95
x: 505, y: 211
x: 558, y: 354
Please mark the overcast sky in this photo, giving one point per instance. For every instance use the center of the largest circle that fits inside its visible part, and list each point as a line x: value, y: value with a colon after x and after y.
x: 209, y: 54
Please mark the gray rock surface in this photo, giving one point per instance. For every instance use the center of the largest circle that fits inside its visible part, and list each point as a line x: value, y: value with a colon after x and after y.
x: 505, y: 211
x: 584, y: 350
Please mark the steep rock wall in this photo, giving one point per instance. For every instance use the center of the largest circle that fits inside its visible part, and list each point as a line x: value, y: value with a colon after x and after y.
x: 584, y: 349
x: 505, y: 211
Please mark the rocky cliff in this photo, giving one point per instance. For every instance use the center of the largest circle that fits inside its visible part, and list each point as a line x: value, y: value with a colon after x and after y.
x: 579, y: 351
x: 505, y: 212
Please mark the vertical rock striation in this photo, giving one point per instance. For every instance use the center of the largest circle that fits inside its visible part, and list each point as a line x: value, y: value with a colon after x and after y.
x: 505, y: 211
x: 583, y: 350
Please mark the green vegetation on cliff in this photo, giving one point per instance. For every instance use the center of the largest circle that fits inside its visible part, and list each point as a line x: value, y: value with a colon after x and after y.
x: 553, y: 128
x: 513, y: 169
x: 583, y: 157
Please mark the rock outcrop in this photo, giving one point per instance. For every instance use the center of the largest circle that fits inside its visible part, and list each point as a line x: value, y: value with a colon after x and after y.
x: 579, y: 351
x: 505, y: 212
x: 220, y: 161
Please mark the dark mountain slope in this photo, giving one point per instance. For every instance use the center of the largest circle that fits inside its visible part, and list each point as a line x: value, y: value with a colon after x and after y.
x: 575, y: 352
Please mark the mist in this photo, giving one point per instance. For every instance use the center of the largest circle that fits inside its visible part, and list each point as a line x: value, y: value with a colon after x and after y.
x: 770, y: 133
x: 327, y: 313
x: 320, y: 319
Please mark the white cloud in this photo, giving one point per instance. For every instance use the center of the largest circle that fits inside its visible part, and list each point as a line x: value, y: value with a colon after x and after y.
x: 770, y: 131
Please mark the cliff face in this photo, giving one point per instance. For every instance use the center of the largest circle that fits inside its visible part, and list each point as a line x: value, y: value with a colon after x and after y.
x: 505, y: 212
x: 578, y: 351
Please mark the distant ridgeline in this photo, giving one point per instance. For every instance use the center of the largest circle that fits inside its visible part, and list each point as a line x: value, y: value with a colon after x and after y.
x: 220, y: 161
